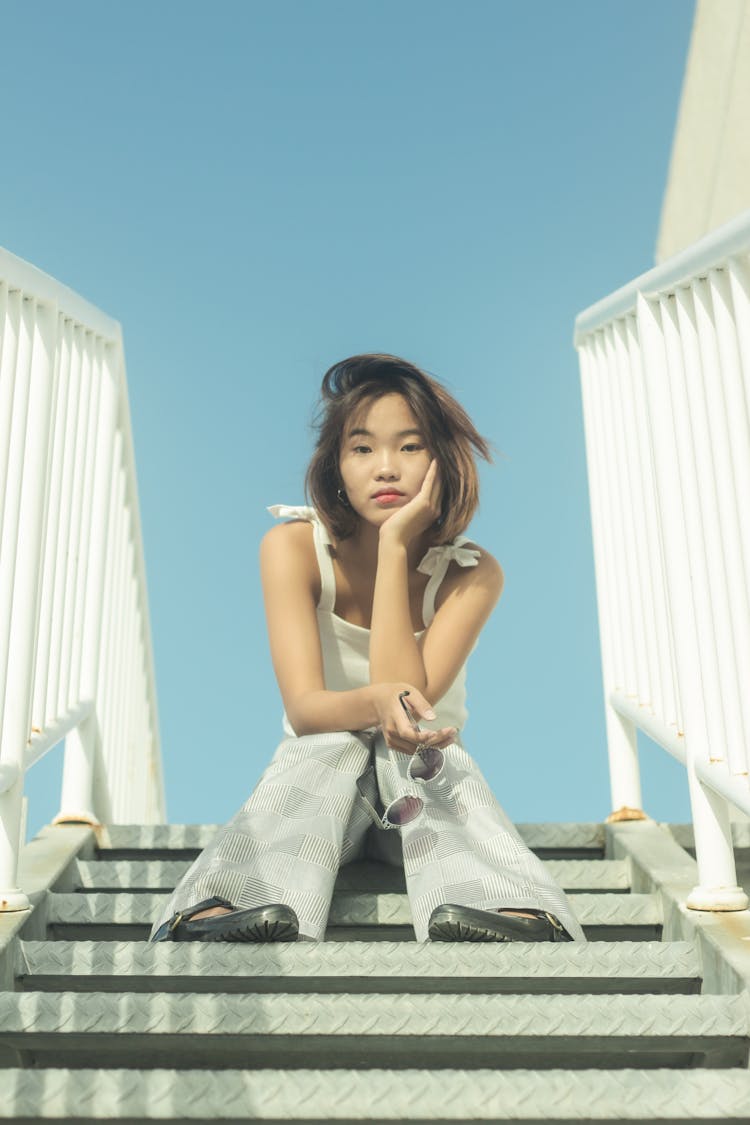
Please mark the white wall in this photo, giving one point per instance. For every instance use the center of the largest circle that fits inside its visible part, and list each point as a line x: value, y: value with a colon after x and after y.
x: 709, y: 175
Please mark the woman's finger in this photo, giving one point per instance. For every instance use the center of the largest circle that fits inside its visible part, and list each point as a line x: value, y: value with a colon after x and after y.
x: 447, y: 740
x: 435, y: 483
x: 429, y: 477
x: 400, y: 744
x: 419, y: 705
x: 432, y: 487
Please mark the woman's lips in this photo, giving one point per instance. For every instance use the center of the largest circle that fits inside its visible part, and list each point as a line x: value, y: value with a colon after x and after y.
x: 387, y: 497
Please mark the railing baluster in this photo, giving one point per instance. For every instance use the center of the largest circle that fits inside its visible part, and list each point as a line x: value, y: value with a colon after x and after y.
x: 52, y: 525
x: 716, y: 640
x: 38, y: 325
x: 681, y: 336
x: 68, y: 392
x: 621, y: 738
x: 16, y: 360
x: 77, y: 574
x: 661, y: 696
x: 608, y: 510
x: 68, y: 506
x: 84, y: 535
x: 632, y: 514
x: 737, y: 543
x: 7, y: 386
x: 70, y: 523
x: 110, y: 708
x: 131, y: 624
x: 695, y: 591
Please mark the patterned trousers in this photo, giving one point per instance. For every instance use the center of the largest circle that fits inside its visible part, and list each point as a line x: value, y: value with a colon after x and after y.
x: 305, y: 819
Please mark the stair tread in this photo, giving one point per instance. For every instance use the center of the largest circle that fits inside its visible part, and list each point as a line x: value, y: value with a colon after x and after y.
x: 357, y: 960
x: 347, y: 908
x: 122, y: 874
x: 190, y: 836
x: 377, y: 1095
x: 372, y: 1015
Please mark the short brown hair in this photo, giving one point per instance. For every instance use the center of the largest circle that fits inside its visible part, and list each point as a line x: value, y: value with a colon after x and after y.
x: 448, y: 431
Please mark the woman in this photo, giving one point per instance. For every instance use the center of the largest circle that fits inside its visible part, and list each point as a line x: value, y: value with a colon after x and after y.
x: 374, y: 601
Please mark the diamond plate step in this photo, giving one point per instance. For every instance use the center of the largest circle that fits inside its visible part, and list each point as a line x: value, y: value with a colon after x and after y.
x: 600, y: 967
x: 128, y: 916
x: 685, y: 836
x: 635, y: 1096
x: 570, y: 841
x: 572, y: 875
x: 341, y: 1030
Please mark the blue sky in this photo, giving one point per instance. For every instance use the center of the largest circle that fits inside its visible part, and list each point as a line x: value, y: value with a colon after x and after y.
x: 256, y: 190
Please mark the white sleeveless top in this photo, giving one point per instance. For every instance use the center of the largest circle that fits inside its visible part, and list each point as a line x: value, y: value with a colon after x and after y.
x: 346, y: 647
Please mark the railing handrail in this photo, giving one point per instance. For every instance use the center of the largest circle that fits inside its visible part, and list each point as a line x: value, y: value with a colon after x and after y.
x: 710, y: 252
x: 19, y: 274
x: 140, y: 557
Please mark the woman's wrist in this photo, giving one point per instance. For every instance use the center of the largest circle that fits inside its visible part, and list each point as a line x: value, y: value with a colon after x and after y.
x: 391, y: 540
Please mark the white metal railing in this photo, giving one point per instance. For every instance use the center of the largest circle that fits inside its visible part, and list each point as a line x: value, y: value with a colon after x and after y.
x: 665, y: 376
x: 75, y: 644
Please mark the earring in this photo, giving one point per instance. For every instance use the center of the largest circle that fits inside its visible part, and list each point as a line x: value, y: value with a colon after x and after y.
x: 343, y: 499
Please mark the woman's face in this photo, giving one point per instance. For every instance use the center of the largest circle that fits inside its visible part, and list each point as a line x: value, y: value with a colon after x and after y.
x: 383, y: 459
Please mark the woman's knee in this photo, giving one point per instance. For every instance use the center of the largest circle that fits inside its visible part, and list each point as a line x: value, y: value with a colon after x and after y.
x: 342, y: 751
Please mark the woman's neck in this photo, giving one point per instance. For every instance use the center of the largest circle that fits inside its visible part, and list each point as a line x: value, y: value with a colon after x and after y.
x: 363, y: 547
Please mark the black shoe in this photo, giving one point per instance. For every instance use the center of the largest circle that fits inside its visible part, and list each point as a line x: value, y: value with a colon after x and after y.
x: 464, y: 923
x: 260, y: 923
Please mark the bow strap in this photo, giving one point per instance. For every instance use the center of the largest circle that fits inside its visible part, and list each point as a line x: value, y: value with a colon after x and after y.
x: 441, y: 557
x: 436, y: 562
x: 322, y: 543
x: 293, y: 512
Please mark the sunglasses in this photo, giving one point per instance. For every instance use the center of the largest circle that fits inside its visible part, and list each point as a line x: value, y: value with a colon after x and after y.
x: 426, y: 764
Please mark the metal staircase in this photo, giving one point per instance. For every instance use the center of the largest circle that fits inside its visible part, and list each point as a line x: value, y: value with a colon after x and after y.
x: 650, y: 1021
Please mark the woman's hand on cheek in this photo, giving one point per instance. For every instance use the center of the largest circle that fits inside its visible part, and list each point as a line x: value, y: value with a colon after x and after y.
x: 419, y: 513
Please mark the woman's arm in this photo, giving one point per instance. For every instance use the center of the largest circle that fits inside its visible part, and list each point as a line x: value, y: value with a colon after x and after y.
x: 466, y: 600
x: 394, y: 653
x: 290, y: 588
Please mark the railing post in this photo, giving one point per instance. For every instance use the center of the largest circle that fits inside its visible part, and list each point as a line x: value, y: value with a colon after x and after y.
x: 30, y: 437
x: 79, y: 767
x: 717, y: 879
x: 624, y: 769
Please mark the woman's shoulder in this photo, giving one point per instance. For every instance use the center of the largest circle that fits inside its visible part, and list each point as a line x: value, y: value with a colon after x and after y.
x: 283, y: 535
x: 470, y: 564
x: 289, y: 549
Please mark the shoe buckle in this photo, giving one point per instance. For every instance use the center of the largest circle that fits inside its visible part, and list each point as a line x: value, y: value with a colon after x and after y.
x: 554, y: 922
x: 174, y: 923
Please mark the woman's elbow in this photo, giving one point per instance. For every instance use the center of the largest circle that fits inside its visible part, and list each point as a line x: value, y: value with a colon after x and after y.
x: 300, y: 721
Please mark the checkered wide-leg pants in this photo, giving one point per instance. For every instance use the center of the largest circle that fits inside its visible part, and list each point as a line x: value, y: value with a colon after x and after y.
x: 305, y: 819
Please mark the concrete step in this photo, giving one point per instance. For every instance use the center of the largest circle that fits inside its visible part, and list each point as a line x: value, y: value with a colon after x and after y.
x: 356, y: 967
x: 636, y: 1096
x: 364, y: 917
x: 581, y: 875
x: 340, y: 1030
x: 181, y: 841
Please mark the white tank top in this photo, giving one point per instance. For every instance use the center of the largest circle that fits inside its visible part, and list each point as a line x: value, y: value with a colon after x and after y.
x: 346, y: 647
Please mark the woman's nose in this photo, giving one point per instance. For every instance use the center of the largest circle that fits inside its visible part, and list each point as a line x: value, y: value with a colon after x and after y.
x: 387, y: 470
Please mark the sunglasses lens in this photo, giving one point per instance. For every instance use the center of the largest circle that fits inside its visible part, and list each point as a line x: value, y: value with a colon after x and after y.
x: 404, y: 810
x: 426, y: 764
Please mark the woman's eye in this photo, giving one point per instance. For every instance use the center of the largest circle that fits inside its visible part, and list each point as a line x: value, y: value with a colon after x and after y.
x: 361, y: 449
x: 413, y: 447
